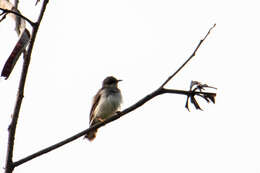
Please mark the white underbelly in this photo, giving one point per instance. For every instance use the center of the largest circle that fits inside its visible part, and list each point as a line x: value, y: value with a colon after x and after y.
x: 108, y: 106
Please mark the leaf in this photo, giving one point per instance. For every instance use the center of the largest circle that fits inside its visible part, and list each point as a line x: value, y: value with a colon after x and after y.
x: 17, y: 51
x: 194, y: 86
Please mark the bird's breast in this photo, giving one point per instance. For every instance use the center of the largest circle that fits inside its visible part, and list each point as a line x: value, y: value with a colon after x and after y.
x: 108, y: 105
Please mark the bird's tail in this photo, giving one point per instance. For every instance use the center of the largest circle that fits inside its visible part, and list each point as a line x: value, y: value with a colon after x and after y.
x: 91, y: 135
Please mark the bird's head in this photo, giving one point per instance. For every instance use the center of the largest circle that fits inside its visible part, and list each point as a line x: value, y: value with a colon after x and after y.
x: 110, y: 81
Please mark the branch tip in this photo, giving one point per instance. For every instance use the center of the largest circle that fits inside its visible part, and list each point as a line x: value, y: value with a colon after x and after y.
x: 192, y: 55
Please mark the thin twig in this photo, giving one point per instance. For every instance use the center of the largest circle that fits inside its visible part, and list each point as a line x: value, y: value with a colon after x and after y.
x: 150, y: 96
x: 20, y: 15
x: 192, y: 55
x: 12, y: 128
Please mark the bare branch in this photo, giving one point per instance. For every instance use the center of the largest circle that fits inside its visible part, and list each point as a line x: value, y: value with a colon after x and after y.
x: 12, y: 128
x: 150, y: 96
x: 113, y: 118
x: 192, y: 55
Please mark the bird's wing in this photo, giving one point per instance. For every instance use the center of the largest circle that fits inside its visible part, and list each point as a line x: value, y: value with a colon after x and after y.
x: 94, y: 105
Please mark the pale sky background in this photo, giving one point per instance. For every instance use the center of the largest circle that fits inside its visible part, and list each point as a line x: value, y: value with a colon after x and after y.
x: 142, y: 42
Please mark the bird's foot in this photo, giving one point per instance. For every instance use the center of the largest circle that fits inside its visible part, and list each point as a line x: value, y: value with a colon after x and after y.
x: 100, y: 120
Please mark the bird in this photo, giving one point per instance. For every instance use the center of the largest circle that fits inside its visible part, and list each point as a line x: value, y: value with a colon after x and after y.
x: 105, y: 104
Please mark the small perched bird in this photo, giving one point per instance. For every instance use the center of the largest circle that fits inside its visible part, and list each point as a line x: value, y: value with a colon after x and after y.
x: 106, y: 103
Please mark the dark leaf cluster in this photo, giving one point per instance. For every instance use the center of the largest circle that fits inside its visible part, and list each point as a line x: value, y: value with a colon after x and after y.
x: 198, y: 86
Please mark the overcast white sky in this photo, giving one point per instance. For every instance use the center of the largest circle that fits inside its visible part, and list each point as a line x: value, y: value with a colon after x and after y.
x: 141, y: 42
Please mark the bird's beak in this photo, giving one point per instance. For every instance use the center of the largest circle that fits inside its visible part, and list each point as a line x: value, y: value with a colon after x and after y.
x: 119, y: 80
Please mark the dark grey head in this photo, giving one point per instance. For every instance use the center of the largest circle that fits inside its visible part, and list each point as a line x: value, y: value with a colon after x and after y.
x: 110, y: 81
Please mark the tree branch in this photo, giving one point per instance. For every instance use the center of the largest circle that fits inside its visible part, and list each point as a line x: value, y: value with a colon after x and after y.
x: 192, y: 55
x: 187, y: 93
x: 150, y: 96
x: 12, y: 128
x: 5, y: 11
x: 113, y: 118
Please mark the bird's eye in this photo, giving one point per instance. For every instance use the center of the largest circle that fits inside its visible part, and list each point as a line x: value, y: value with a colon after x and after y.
x: 111, y: 81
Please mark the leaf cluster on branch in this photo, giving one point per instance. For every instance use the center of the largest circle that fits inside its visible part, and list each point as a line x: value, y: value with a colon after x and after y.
x: 198, y: 86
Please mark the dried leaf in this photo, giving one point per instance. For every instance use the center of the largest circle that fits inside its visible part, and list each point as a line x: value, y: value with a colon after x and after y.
x: 187, y: 104
x: 212, y: 98
x: 195, y: 103
x: 17, y: 51
x: 4, y: 16
x: 198, y: 86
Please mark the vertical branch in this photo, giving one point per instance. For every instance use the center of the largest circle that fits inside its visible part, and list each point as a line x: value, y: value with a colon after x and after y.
x: 12, y: 128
